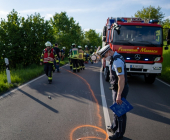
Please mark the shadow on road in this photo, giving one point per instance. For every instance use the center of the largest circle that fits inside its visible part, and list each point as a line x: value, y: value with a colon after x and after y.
x: 125, y: 138
x: 150, y: 100
x: 38, y: 101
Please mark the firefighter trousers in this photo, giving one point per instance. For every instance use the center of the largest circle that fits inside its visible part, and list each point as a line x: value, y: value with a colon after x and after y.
x: 75, y: 65
x: 48, y: 69
x: 81, y: 64
x: 71, y: 63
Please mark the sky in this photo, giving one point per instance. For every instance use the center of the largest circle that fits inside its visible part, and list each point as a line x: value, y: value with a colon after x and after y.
x: 90, y: 14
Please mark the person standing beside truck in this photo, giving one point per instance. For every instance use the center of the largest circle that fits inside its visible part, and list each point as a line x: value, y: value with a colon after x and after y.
x: 119, y: 86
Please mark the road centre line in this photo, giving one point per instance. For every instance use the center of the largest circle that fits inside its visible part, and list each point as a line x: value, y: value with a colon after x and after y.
x: 8, y: 93
x: 105, y: 108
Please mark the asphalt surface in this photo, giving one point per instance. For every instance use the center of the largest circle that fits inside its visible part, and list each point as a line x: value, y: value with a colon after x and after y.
x: 75, y: 110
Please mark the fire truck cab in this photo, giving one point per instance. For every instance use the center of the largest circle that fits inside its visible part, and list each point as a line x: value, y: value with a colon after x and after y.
x: 139, y: 41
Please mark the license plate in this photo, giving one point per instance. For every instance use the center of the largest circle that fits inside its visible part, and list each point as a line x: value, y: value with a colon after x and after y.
x: 136, y: 66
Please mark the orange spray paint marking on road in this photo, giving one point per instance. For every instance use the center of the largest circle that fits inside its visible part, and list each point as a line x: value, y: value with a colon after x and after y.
x: 98, y: 115
x: 97, y: 103
x: 89, y: 137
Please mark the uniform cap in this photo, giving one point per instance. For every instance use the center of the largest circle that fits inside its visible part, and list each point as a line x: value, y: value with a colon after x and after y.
x: 103, y: 50
x: 73, y: 44
x: 79, y: 47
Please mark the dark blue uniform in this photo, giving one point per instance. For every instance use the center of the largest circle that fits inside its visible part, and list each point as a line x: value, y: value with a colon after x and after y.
x: 118, y: 68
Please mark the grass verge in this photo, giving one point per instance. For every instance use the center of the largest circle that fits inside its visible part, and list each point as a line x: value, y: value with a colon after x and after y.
x: 20, y: 76
x: 165, y: 75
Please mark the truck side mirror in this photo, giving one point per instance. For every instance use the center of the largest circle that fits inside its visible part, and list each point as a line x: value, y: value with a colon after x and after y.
x: 104, y: 30
x: 166, y: 48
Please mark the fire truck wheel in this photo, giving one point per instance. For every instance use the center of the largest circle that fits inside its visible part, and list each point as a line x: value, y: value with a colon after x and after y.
x: 150, y: 78
x: 106, y: 73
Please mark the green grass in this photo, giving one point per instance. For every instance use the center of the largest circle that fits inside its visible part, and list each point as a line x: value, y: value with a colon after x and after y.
x: 20, y: 76
x: 165, y: 75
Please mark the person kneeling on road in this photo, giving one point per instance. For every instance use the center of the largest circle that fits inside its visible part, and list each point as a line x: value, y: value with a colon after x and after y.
x: 48, y: 57
x: 119, y: 86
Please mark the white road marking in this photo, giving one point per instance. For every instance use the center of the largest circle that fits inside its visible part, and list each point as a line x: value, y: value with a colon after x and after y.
x: 163, y: 82
x: 105, y: 108
x: 8, y: 93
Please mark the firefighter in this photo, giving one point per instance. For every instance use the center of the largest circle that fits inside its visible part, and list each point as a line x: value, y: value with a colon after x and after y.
x: 86, y: 54
x: 48, y: 57
x: 74, y: 58
x: 91, y: 52
x: 81, y: 56
x: 69, y: 58
x: 63, y: 53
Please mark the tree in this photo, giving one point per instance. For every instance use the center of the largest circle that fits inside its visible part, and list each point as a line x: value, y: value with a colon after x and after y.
x: 150, y: 13
x: 66, y: 30
x: 92, y: 38
x: 22, y: 40
x: 166, y: 26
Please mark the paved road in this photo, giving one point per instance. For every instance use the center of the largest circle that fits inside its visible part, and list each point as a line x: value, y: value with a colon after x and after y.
x: 76, y: 111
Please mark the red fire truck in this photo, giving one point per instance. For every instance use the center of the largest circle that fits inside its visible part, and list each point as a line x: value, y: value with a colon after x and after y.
x: 139, y: 41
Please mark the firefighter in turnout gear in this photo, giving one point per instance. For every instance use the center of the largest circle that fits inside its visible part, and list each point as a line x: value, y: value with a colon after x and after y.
x: 48, y: 57
x: 75, y: 58
x: 91, y: 52
x: 81, y: 58
x: 63, y: 53
x: 120, y: 88
x: 86, y: 54
x: 69, y: 58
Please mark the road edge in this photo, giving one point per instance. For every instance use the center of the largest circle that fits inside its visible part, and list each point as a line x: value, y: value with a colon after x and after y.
x: 104, y: 104
x: 21, y: 86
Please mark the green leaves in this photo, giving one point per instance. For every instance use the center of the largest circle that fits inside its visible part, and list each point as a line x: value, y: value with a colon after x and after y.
x: 22, y: 40
x: 166, y: 26
x: 93, y: 38
x: 150, y: 13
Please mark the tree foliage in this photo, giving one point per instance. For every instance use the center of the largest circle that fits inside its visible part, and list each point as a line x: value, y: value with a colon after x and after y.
x: 150, y: 13
x: 92, y: 38
x: 22, y: 39
x: 66, y: 30
x: 166, y: 26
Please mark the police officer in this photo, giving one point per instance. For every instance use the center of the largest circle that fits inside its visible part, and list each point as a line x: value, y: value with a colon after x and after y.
x: 119, y: 86
x: 48, y: 57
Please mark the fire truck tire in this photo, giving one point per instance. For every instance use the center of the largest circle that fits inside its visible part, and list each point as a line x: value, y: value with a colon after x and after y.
x: 106, y: 73
x: 150, y: 78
